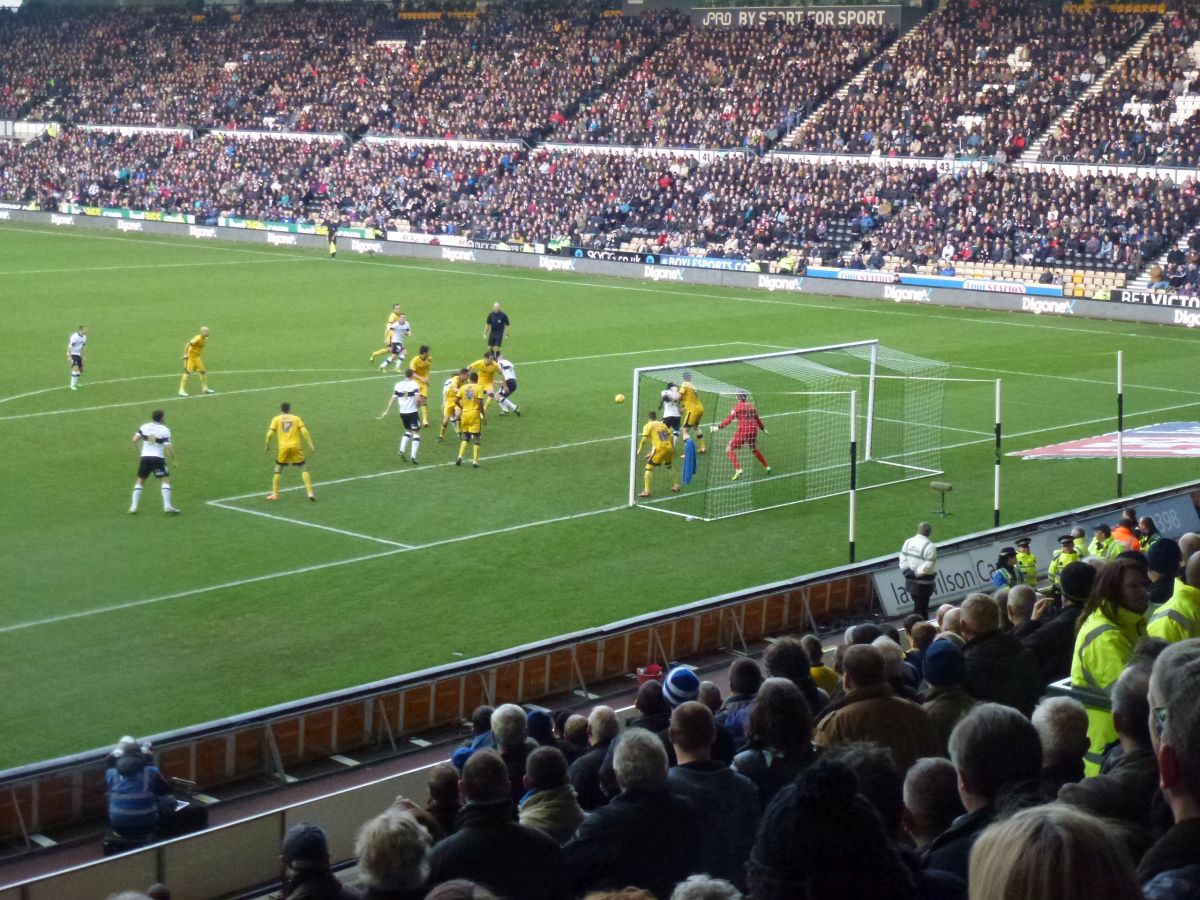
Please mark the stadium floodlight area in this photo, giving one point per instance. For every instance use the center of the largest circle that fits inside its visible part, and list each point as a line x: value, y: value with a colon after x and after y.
x: 843, y: 417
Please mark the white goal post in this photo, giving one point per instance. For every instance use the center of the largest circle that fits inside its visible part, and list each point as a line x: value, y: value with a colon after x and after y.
x: 806, y: 398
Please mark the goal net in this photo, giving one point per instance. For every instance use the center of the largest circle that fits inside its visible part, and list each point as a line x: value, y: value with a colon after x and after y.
x: 813, y: 445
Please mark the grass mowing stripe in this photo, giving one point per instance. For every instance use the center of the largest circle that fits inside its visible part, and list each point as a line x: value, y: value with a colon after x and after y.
x: 258, y: 579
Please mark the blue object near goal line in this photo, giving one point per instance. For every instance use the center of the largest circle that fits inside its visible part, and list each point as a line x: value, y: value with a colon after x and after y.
x: 689, y: 460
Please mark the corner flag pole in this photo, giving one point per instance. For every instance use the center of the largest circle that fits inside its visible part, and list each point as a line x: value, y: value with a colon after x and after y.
x: 1120, y: 423
x: 853, y: 469
x: 996, y: 488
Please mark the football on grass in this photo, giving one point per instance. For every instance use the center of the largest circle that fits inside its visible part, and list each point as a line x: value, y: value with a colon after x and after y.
x: 620, y: 398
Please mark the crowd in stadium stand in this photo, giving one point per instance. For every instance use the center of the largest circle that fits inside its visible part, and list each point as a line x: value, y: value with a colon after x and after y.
x: 713, y: 87
x: 916, y: 763
x: 736, y: 206
x: 1040, y: 218
x: 510, y: 71
x: 978, y: 78
x: 1130, y: 120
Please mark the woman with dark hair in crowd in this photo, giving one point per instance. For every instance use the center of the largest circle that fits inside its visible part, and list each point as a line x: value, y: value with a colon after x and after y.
x: 1112, y: 623
x: 779, y: 735
x: 787, y: 658
x: 822, y: 839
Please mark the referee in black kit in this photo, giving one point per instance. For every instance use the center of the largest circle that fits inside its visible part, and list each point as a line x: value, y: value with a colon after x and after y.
x: 497, y: 327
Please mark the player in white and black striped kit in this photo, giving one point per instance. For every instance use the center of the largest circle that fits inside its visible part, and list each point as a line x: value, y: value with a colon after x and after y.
x: 407, y: 397
x: 397, y: 332
x: 510, y: 386
x: 155, y: 438
x: 75, y: 344
x: 670, y: 408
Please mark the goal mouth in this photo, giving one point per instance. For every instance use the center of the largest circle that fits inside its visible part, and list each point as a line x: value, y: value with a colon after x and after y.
x: 793, y: 426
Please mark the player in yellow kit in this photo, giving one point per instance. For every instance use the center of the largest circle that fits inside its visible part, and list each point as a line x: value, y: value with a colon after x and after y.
x: 662, y: 450
x: 450, y: 401
x: 387, y: 333
x: 693, y: 411
x: 287, y: 429
x: 420, y: 369
x: 487, y: 368
x: 193, y: 361
x: 470, y: 417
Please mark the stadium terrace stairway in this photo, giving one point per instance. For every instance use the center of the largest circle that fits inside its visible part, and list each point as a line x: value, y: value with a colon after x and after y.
x: 1034, y: 150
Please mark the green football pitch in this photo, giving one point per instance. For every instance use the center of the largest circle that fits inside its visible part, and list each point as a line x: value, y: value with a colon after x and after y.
x: 113, y: 624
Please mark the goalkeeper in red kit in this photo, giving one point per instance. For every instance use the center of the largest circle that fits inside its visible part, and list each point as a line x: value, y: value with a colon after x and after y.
x: 749, y: 424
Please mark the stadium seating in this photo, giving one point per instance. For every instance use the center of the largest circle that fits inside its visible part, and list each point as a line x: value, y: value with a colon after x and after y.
x: 727, y: 87
x: 976, y: 78
x: 1145, y: 113
x: 1040, y: 219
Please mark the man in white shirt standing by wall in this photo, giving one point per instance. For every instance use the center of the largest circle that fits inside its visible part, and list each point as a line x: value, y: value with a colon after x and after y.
x: 918, y: 565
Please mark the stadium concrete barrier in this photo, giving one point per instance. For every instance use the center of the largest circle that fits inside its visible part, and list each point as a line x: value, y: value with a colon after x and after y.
x: 663, y: 272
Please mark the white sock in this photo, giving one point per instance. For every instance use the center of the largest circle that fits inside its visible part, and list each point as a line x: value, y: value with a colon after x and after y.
x: 508, y: 404
x: 74, y: 379
x: 166, y: 492
x: 404, y: 442
x: 416, y: 446
x: 137, y: 496
x: 385, y: 363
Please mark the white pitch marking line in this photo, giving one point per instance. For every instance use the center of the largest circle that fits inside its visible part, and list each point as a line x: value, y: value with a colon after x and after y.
x: 342, y: 531
x: 1066, y: 425
x: 182, y: 265
x: 178, y: 595
x: 422, y: 468
x: 803, y: 304
x: 168, y: 375
x: 128, y: 403
x: 1092, y: 381
x: 876, y: 309
x: 303, y: 570
x: 284, y: 387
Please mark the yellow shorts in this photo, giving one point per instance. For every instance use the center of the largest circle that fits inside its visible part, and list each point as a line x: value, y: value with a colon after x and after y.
x: 469, y: 424
x: 448, y: 410
x: 487, y: 388
x: 194, y: 365
x: 292, y: 456
x: 663, y: 457
x: 691, y: 417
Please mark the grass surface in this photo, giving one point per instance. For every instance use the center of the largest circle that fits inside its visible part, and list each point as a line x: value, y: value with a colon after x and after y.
x: 112, y: 624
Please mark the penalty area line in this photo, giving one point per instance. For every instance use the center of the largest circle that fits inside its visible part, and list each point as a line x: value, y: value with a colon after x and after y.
x: 342, y: 531
x: 303, y: 570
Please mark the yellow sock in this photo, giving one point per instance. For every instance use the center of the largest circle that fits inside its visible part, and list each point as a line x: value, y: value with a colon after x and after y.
x: 442, y: 433
x: 379, y: 352
x: 203, y: 382
x: 307, y: 480
x: 487, y: 403
x: 462, y: 449
x: 275, y: 484
x: 649, y: 473
x: 424, y: 416
x: 475, y: 452
x: 183, y: 383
